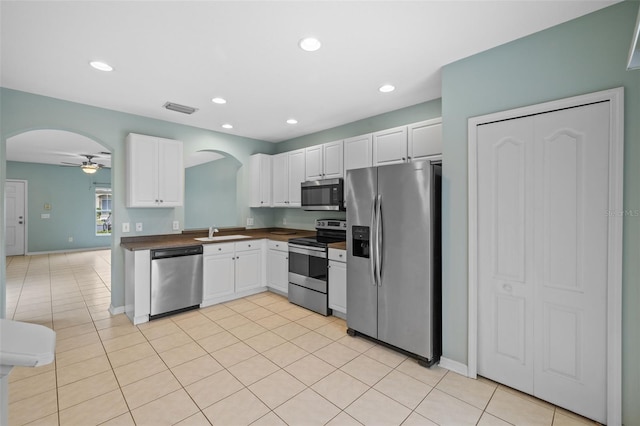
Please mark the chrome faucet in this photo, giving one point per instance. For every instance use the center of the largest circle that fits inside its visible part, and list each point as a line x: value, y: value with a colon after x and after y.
x: 212, y: 231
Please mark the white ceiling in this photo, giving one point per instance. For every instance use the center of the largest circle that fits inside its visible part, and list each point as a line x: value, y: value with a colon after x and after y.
x: 247, y: 52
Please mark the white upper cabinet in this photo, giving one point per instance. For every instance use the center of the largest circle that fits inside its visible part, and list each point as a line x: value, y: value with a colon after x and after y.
x: 358, y: 152
x: 390, y: 146
x: 424, y: 139
x: 403, y: 144
x: 155, y: 172
x: 280, y: 180
x: 288, y: 173
x: 324, y: 161
x: 296, y: 176
x: 260, y: 165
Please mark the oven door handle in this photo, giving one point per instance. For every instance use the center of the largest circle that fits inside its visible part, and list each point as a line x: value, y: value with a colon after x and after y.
x: 308, y: 251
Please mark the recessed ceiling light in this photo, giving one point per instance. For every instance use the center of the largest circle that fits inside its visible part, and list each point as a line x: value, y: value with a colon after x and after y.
x: 227, y: 126
x: 387, y: 88
x: 292, y: 121
x: 310, y: 44
x: 219, y: 101
x: 102, y: 66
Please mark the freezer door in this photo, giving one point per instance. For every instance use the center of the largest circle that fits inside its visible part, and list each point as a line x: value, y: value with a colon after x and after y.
x: 362, y: 293
x: 405, y: 295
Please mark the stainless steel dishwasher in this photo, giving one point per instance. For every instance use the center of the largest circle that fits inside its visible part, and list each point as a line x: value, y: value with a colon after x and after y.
x: 176, y: 280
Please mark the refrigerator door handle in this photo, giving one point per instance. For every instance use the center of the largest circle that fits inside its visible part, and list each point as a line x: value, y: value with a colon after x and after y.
x: 372, y: 243
x: 379, y: 241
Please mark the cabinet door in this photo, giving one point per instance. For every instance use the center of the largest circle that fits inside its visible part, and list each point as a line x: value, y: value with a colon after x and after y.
x: 313, y: 162
x: 218, y: 274
x: 390, y: 146
x: 280, y: 180
x: 358, y: 152
x: 142, y: 171
x: 338, y: 286
x: 170, y: 173
x: 260, y: 180
x: 296, y: 176
x: 333, y: 160
x: 424, y: 139
x: 248, y: 270
x: 278, y: 270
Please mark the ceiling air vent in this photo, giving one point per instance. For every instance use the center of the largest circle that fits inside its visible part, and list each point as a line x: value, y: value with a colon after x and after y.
x: 179, y: 108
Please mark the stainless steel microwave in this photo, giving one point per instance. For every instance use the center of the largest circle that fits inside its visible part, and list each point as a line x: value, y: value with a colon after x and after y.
x: 327, y: 194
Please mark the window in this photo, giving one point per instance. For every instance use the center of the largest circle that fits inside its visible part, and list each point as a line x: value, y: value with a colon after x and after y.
x: 103, y: 211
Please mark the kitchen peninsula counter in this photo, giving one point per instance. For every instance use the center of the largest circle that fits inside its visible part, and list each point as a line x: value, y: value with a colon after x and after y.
x: 187, y: 238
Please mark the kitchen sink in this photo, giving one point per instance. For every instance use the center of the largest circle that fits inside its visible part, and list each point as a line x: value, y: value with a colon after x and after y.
x: 222, y: 238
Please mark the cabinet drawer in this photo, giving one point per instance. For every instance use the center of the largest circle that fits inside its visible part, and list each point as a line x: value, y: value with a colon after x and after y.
x: 248, y: 245
x: 213, y: 249
x: 338, y: 255
x: 278, y: 245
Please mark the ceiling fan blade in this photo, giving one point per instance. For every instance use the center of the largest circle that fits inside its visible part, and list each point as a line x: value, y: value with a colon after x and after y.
x: 71, y: 164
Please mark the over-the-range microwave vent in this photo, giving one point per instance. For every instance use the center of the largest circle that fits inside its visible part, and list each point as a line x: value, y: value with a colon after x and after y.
x: 179, y: 108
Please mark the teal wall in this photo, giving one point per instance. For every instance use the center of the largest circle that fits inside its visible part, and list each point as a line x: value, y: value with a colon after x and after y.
x: 296, y: 218
x: 400, y: 117
x: 210, y: 194
x: 71, y: 195
x: 584, y: 55
x: 21, y: 112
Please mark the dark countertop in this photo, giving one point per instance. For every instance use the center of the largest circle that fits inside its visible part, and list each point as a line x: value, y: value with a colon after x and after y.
x: 150, y: 242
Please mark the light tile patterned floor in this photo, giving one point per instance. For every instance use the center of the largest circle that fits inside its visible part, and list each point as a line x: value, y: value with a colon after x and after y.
x: 257, y: 360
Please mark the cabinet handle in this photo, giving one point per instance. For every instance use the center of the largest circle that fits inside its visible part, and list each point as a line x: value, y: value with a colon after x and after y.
x: 248, y: 245
x: 339, y: 255
x: 156, y: 201
x: 404, y: 159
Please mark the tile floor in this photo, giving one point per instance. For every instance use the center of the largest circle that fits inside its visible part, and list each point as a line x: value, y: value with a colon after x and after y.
x: 257, y: 360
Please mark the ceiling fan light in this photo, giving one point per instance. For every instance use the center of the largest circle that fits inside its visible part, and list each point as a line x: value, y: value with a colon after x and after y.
x: 89, y: 168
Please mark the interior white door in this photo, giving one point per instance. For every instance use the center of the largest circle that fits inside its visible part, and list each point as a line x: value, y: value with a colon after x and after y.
x: 543, y: 192
x: 505, y: 281
x: 15, y: 229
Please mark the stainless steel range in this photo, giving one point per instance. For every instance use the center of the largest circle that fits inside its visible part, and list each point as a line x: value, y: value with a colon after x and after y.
x: 308, y: 265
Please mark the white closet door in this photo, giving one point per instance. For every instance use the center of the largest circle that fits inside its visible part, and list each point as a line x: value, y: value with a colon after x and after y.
x: 570, y: 258
x: 543, y: 193
x: 505, y: 293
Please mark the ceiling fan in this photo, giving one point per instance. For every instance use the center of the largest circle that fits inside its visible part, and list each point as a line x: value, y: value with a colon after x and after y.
x: 89, y: 166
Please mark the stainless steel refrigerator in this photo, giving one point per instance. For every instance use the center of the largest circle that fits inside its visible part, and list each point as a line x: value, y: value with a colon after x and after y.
x: 393, y: 257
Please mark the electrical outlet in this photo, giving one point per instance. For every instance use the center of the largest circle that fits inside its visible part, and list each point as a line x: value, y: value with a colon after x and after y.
x: 249, y: 221
x: 284, y: 221
x: 176, y: 225
x: 139, y: 227
x: 70, y: 239
x: 125, y: 227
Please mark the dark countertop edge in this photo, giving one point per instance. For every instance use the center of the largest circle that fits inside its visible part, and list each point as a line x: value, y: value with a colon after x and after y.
x: 148, y: 242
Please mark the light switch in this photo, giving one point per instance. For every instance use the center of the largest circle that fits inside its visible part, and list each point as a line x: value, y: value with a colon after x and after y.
x: 139, y: 227
x: 45, y: 216
x: 249, y: 221
x: 125, y: 227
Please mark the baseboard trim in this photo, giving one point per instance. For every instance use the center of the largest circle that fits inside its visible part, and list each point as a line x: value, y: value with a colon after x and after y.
x: 36, y: 253
x: 455, y: 366
x: 116, y: 310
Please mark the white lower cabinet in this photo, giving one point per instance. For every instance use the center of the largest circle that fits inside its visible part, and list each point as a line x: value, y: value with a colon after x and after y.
x: 278, y: 266
x: 338, y: 280
x: 231, y: 270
